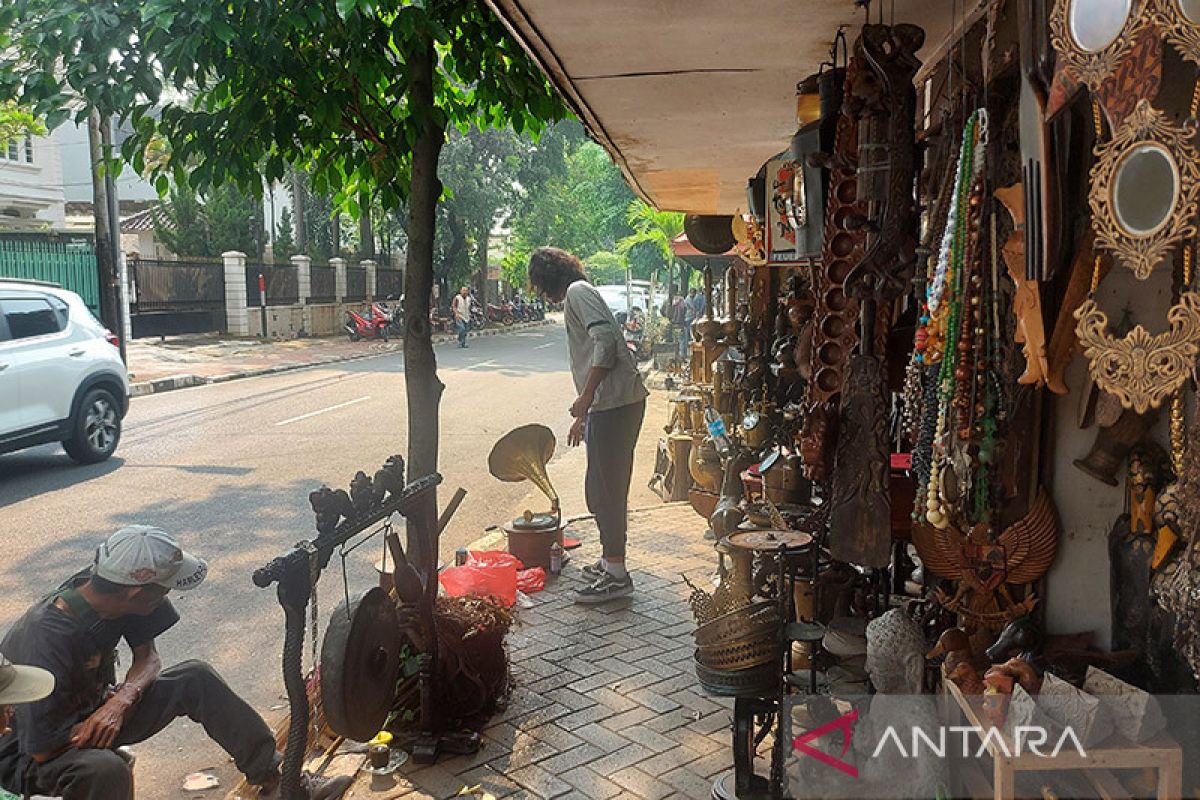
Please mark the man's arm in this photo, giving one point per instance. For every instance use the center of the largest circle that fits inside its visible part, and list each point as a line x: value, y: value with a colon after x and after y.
x: 101, y: 728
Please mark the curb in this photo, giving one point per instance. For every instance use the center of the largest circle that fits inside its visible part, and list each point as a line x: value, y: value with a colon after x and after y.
x: 172, y: 382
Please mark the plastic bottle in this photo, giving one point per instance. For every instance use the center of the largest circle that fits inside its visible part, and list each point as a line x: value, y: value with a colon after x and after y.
x: 556, y: 554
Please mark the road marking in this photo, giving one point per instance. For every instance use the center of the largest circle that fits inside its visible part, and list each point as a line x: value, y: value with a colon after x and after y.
x: 544, y: 346
x: 323, y: 410
x: 481, y: 364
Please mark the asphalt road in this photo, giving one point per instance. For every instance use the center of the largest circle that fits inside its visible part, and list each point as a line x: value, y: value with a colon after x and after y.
x: 228, y: 469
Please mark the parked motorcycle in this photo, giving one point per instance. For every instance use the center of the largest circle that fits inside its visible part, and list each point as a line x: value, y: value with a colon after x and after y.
x: 478, y: 318
x: 374, y: 324
x: 394, y: 308
x: 501, y: 313
x: 520, y: 309
x: 634, y: 334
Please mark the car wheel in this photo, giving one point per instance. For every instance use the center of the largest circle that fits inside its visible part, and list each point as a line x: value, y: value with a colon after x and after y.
x: 96, y: 428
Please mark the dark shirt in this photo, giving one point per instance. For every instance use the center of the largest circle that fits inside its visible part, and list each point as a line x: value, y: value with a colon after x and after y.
x: 80, y: 654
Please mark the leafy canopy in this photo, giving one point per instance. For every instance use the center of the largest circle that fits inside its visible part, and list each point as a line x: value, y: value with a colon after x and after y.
x: 246, y: 87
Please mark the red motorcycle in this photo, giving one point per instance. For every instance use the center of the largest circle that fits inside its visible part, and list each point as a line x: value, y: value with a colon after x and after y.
x: 502, y: 313
x: 372, y: 326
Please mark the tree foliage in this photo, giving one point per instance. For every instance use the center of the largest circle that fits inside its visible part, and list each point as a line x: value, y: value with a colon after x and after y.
x: 573, y: 198
x: 653, y: 230
x: 205, y: 226
x: 17, y: 122
x: 284, y: 244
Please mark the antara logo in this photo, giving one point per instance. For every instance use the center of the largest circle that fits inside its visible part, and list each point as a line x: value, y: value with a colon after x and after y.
x: 845, y: 724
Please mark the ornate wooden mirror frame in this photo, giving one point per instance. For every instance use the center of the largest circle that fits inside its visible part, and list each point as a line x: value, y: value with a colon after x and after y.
x: 1146, y: 127
x: 1179, y: 22
x: 1089, y: 66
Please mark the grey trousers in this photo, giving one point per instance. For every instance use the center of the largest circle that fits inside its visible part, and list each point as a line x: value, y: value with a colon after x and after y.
x: 611, y: 437
x: 191, y: 689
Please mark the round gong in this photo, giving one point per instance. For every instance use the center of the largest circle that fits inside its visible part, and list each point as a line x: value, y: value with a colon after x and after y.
x: 770, y: 540
x: 360, y: 659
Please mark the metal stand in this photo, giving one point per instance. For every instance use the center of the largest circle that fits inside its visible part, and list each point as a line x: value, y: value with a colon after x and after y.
x: 340, y: 516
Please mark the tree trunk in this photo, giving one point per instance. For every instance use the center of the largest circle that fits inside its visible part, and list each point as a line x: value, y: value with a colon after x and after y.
x: 366, y: 234
x: 106, y: 248
x: 422, y: 387
x: 335, y: 234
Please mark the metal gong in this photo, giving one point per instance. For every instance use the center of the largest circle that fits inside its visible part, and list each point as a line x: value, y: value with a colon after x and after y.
x: 360, y: 659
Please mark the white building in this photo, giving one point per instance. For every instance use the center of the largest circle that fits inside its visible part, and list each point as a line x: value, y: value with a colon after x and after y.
x: 31, y: 185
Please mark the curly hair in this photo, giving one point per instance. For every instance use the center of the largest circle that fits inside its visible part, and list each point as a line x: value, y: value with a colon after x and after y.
x: 552, y: 270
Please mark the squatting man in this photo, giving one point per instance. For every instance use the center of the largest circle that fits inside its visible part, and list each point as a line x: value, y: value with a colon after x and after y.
x: 71, y: 743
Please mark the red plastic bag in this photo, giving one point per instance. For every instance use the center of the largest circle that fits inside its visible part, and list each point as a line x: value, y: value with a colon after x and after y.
x: 493, y: 558
x: 531, y: 580
x: 497, y: 582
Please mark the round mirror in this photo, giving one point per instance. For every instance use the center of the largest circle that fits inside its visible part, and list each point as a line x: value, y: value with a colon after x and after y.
x: 1190, y: 10
x: 1145, y: 189
x: 1095, y: 24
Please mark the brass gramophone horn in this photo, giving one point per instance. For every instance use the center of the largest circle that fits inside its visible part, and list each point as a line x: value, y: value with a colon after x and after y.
x: 522, y: 454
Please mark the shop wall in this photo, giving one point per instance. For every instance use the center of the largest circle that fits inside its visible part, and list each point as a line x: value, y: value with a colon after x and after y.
x: 1077, y: 591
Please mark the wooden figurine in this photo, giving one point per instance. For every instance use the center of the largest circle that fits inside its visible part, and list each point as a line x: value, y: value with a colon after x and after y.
x: 1027, y: 301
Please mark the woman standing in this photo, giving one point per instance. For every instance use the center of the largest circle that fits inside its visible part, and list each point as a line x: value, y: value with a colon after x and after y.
x: 608, y: 410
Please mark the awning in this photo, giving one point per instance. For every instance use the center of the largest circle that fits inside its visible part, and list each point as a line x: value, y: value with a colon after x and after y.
x: 690, y: 97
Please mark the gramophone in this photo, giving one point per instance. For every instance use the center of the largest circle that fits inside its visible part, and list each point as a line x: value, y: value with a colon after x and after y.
x: 522, y: 454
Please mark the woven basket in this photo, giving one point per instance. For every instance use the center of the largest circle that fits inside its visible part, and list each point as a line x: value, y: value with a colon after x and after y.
x: 750, y: 622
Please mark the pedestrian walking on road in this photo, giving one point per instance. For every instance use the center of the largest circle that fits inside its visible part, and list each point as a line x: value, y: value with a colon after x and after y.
x: 608, y: 411
x: 461, y: 307
x: 70, y: 744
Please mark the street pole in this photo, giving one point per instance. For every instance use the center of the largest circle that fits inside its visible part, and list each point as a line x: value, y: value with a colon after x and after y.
x: 262, y: 302
x: 107, y: 138
x: 102, y: 210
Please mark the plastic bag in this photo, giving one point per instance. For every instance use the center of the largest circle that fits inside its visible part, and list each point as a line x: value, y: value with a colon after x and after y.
x: 499, y: 582
x: 493, y: 558
x: 531, y: 580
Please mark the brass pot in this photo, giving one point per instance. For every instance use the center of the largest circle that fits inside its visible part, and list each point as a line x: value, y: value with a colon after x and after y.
x: 704, y: 463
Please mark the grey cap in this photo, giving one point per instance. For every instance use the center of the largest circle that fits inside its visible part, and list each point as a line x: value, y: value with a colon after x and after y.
x: 138, y: 555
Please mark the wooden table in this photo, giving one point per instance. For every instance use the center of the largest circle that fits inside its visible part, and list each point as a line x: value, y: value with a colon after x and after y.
x: 1161, y: 753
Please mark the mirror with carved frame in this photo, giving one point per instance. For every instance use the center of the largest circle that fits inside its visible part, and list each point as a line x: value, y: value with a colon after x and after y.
x: 1092, y: 36
x: 1145, y: 188
x: 1179, y: 21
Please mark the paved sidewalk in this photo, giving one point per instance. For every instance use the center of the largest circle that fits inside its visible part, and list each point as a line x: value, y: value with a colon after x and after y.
x: 183, y: 361
x: 606, y: 703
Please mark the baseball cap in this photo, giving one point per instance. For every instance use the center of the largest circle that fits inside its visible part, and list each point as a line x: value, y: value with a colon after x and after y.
x: 138, y: 555
x: 21, y: 684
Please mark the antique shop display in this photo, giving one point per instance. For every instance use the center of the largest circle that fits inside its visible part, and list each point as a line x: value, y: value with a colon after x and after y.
x: 1027, y: 301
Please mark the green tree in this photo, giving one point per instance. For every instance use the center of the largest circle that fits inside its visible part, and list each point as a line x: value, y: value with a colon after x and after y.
x: 206, y: 226
x: 575, y: 198
x: 606, y: 268
x: 653, y: 233
x: 284, y: 246
x: 17, y: 122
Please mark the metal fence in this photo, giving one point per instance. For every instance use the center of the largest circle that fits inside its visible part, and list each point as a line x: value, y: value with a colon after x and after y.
x: 324, y: 284
x: 356, y: 284
x: 389, y: 283
x: 176, y: 285
x: 282, y: 281
x: 72, y: 265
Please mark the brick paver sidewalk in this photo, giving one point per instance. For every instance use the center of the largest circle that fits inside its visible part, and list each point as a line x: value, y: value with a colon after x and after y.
x: 606, y: 701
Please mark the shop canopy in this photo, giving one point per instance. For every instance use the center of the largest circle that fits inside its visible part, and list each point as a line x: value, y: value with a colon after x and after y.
x: 690, y: 97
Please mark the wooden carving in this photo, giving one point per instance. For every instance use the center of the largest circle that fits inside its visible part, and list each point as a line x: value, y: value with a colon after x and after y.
x: 1027, y: 301
x: 1140, y: 369
x: 1145, y: 131
x: 817, y: 438
x: 1180, y: 31
x: 843, y: 246
x: 860, y: 515
x: 883, y: 98
x: 984, y: 569
x: 1063, y: 338
x: 1138, y: 75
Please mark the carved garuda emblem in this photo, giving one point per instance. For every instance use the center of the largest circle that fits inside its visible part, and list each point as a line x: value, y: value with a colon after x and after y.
x: 1139, y: 369
x: 984, y: 569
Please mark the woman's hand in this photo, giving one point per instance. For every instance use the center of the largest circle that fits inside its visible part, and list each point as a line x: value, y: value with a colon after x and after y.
x: 575, y: 436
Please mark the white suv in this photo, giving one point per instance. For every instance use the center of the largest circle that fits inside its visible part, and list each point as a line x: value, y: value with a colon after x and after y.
x: 61, y: 374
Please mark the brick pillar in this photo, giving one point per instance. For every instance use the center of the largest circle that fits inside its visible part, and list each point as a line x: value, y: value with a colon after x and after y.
x: 237, y: 323
x: 303, y: 265
x: 369, y: 266
x: 339, y: 278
